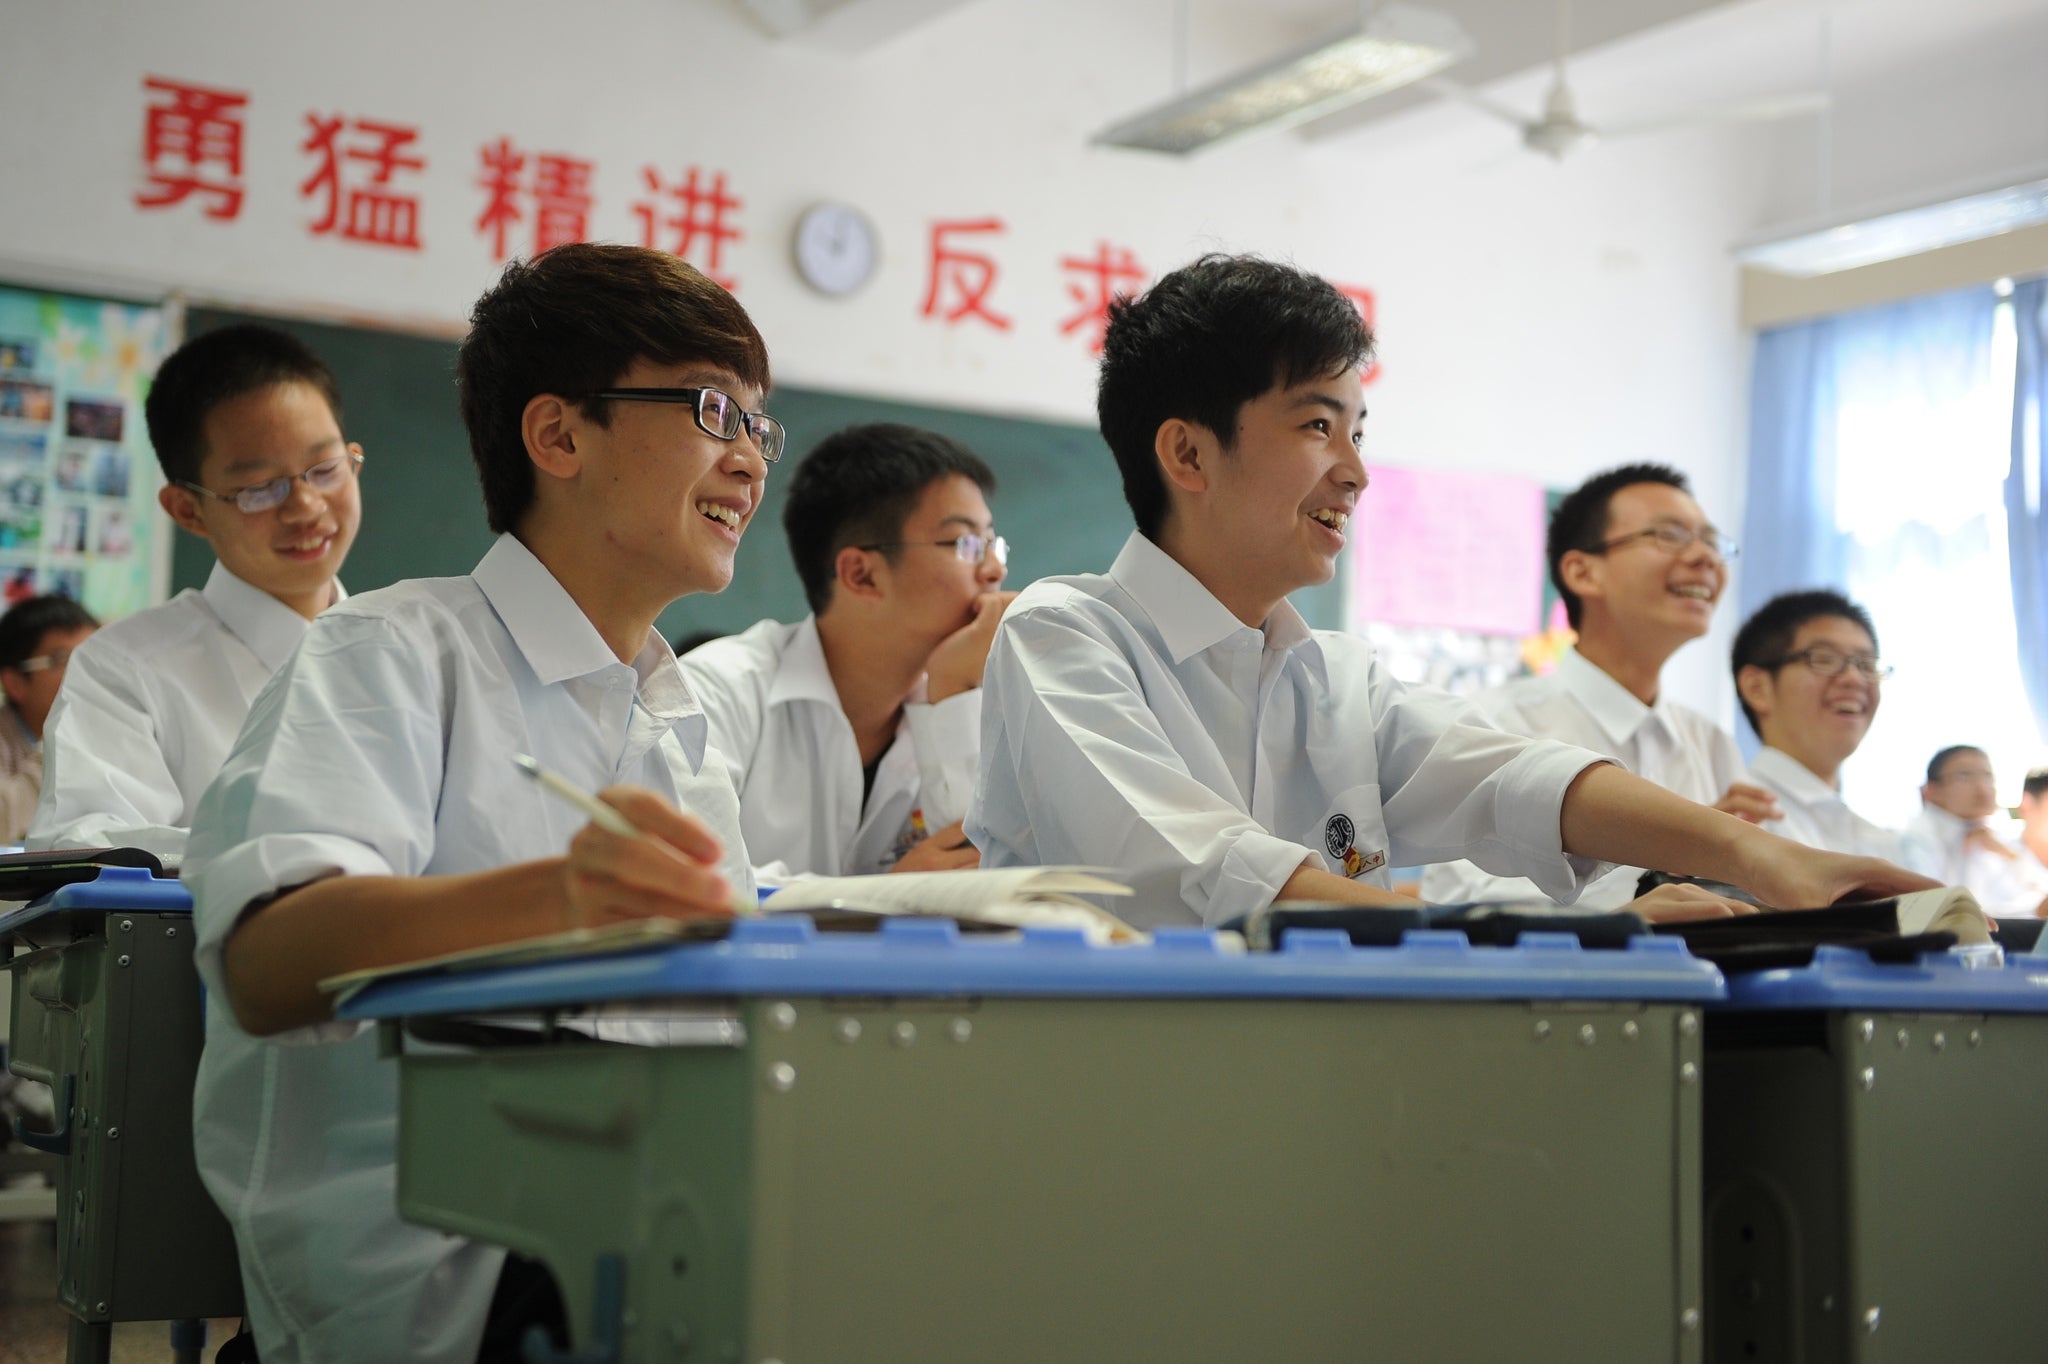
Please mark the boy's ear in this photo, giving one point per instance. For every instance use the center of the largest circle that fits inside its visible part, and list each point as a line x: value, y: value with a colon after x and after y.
x: 1581, y: 574
x: 548, y: 427
x: 14, y: 683
x: 1757, y: 687
x: 1178, y: 445
x: 182, y: 506
x: 853, y: 574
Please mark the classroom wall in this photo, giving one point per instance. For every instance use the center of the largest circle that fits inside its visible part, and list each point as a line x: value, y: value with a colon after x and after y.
x: 1540, y: 319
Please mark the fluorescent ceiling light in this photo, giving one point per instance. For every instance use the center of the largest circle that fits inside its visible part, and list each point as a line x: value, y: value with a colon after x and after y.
x: 1397, y: 45
x: 1907, y: 232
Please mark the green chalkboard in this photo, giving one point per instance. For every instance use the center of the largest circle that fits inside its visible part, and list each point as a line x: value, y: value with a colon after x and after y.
x: 1060, y: 502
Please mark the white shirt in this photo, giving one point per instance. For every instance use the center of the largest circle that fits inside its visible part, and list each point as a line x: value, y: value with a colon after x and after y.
x: 384, y: 747
x: 1815, y: 813
x: 1678, y: 749
x: 1132, y: 722
x: 776, y: 717
x: 149, y: 708
x: 2011, y: 886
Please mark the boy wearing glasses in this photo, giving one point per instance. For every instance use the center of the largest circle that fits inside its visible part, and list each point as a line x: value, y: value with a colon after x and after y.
x: 1807, y: 675
x: 1956, y: 837
x: 854, y: 734
x: 370, y: 812
x: 1640, y: 569
x: 37, y: 638
x: 246, y: 423
x: 1176, y: 720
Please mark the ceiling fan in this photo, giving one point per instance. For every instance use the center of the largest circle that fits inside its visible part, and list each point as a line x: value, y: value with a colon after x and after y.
x: 1559, y: 131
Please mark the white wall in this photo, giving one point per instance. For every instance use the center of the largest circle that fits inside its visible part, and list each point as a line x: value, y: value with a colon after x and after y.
x: 1538, y: 319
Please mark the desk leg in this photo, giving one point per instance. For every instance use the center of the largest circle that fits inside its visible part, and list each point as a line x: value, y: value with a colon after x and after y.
x: 89, y: 1342
x: 188, y: 1341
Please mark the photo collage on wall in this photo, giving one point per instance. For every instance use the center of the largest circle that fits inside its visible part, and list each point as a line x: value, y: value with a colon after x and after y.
x: 77, y: 479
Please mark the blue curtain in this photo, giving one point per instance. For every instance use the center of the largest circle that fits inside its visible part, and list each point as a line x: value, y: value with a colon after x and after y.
x: 2026, y: 508
x: 1789, y: 538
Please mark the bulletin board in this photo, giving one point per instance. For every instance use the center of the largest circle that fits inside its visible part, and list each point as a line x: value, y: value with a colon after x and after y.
x: 78, y: 483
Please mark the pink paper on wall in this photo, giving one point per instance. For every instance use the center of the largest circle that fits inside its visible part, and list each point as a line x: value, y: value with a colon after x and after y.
x: 1450, y: 550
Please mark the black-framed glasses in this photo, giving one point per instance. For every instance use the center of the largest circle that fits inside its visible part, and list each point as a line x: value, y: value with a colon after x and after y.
x: 1827, y: 662
x: 328, y: 476
x: 969, y: 548
x: 718, y: 414
x: 1675, y: 539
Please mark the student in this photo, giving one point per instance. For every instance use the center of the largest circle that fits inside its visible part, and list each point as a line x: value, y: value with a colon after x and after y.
x: 854, y: 734
x: 370, y: 812
x: 246, y: 422
x: 2034, y: 817
x: 1955, y: 840
x: 1176, y: 720
x: 36, y: 639
x: 1809, y: 680
x: 1639, y: 568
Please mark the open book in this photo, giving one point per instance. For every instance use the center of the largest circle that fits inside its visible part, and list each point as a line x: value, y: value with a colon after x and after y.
x: 995, y: 899
x: 1951, y: 909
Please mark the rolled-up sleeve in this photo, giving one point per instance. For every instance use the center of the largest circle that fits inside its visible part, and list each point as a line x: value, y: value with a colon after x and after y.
x: 1076, y: 768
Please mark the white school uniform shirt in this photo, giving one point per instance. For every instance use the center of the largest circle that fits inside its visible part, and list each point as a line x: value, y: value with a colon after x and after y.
x: 776, y: 717
x: 1815, y: 813
x: 1933, y: 846
x: 1677, y: 748
x: 1131, y: 722
x: 149, y: 708
x: 384, y: 747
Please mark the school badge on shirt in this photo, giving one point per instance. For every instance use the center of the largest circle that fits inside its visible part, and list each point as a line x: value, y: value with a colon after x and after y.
x: 914, y: 833
x: 1339, y: 838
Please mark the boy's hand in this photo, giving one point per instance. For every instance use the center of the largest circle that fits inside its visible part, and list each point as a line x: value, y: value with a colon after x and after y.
x: 1788, y: 875
x: 956, y: 664
x: 1752, y: 803
x: 946, y: 850
x: 670, y: 870
x: 1679, y: 902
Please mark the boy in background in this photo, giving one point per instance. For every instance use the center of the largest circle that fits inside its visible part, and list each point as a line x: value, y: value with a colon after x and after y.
x: 37, y: 637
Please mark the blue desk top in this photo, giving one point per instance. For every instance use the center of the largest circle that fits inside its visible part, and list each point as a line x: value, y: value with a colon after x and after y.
x: 1940, y: 982
x: 786, y: 955
x: 116, y: 888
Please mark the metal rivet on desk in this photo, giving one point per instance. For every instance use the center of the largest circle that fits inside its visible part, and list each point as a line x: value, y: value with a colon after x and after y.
x: 171, y: 932
x: 782, y: 1077
x: 1867, y: 1029
x: 101, y: 1307
x: 1868, y: 1079
x: 782, y: 1015
x: 1689, y: 1073
x: 904, y: 1033
x: 1827, y: 1302
x: 1902, y: 1037
x: 1940, y: 1040
x: 1631, y: 1030
x: 1870, y: 1319
x: 127, y: 925
x: 849, y: 1030
x: 1542, y: 1028
x: 121, y: 960
x: 1689, y: 1319
x: 1688, y: 1023
x: 1586, y: 1034
x: 1976, y: 1037
x: 961, y: 1029
x: 113, y: 1134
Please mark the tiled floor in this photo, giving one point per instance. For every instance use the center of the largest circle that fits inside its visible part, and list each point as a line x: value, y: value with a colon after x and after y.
x: 32, y: 1325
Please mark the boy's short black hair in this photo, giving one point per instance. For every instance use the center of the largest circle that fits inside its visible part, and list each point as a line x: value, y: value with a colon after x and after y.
x: 572, y: 321
x: 1580, y: 521
x: 2036, y: 784
x: 26, y: 622
x: 857, y: 487
x: 1941, y: 759
x: 1204, y: 341
x: 217, y: 367
x: 1766, y: 637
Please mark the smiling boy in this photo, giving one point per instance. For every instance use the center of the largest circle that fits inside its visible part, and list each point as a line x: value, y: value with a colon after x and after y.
x: 1176, y: 720
x: 370, y: 814
x: 246, y: 423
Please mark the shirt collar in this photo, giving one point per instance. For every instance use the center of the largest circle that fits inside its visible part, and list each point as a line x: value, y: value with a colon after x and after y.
x: 1613, y: 707
x: 269, y: 627
x: 801, y: 675
x: 1793, y: 777
x: 1187, y: 614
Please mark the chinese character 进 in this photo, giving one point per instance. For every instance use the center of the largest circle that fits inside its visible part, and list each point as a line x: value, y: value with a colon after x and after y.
x: 192, y: 144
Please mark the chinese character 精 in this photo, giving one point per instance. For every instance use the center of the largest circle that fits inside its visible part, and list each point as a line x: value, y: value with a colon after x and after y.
x: 558, y: 187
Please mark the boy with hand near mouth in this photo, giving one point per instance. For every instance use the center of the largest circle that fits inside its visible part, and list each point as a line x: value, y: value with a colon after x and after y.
x: 1808, y: 676
x: 1176, y: 720
x: 246, y: 422
x: 1640, y: 569
x: 369, y: 813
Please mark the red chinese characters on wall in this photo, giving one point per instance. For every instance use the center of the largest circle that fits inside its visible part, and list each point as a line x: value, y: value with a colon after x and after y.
x: 1362, y: 299
x: 961, y: 278
x: 356, y: 180
x: 1096, y: 282
x: 192, y: 145
x: 548, y: 190
x: 690, y: 218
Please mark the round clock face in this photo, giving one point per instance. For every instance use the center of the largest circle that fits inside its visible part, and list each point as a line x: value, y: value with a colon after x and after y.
x: 835, y: 248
